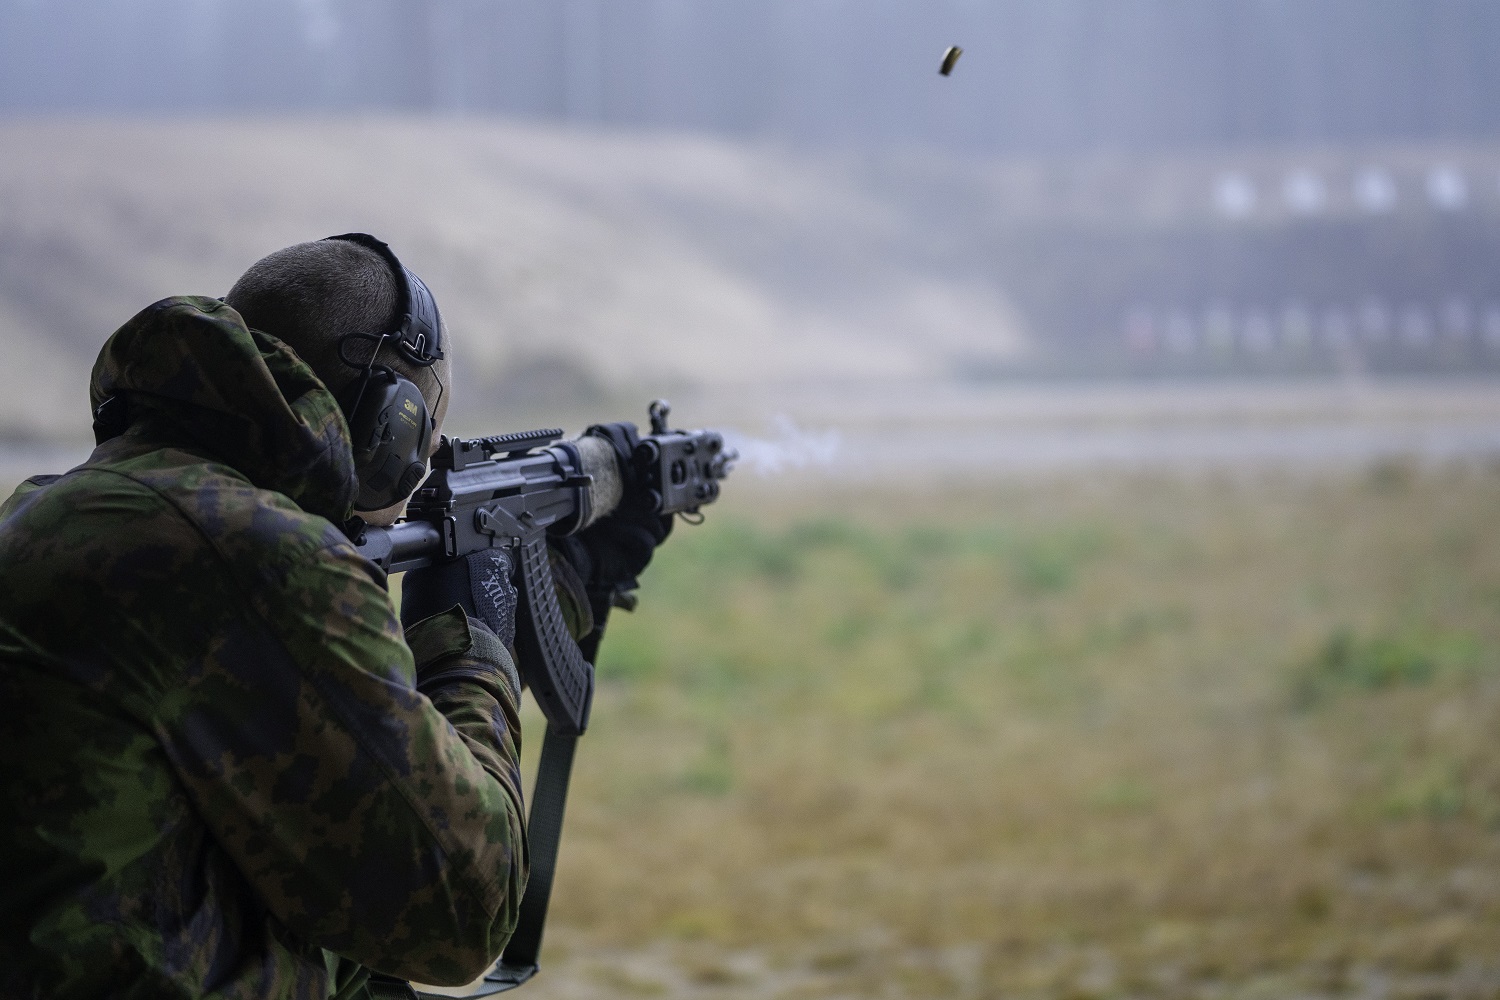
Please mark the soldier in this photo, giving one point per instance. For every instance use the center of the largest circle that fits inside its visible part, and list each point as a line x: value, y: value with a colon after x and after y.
x: 225, y: 768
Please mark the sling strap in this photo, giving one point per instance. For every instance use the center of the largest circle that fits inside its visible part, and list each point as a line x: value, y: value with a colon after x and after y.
x: 543, y: 833
x: 518, y: 962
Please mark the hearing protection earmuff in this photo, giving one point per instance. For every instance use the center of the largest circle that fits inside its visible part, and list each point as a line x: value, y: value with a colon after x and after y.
x: 389, y: 422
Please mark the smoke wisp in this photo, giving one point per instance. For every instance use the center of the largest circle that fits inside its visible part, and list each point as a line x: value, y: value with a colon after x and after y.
x: 789, y: 448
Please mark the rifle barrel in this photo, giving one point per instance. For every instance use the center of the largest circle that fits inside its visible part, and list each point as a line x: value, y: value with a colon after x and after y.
x: 403, y: 546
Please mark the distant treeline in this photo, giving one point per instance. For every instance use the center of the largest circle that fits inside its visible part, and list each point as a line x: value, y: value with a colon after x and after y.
x: 1039, y: 75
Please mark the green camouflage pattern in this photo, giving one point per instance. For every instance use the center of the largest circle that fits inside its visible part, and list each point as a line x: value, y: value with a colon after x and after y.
x: 225, y: 772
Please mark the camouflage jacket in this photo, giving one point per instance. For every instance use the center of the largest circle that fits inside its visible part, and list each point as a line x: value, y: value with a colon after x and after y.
x: 224, y: 772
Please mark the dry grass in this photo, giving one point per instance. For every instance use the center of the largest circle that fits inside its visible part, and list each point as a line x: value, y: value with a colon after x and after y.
x: 1133, y: 737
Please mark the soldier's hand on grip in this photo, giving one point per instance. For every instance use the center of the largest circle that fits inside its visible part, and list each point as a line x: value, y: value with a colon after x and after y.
x: 480, y: 583
x: 610, y: 554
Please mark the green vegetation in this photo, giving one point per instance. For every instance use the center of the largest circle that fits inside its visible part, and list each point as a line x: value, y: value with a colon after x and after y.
x: 1124, y: 737
x: 1347, y: 662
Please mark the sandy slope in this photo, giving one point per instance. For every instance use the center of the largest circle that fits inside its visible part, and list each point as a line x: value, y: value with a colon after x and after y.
x: 582, y: 259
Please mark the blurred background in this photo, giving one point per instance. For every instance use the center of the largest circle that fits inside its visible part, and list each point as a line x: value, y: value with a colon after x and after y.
x: 1106, y: 604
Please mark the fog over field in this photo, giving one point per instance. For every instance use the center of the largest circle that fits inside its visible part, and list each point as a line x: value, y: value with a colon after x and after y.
x: 563, y: 263
x: 884, y: 306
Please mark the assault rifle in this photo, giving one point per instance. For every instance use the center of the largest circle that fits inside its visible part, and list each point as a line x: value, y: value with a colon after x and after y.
x: 511, y: 493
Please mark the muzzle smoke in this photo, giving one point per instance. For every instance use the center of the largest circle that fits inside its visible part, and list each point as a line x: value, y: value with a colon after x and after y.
x: 788, y: 449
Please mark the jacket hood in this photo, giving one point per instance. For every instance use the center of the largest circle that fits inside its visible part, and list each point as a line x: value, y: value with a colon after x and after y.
x: 240, y: 394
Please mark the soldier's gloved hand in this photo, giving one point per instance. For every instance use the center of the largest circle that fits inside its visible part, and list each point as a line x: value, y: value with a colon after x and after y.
x: 621, y: 545
x: 612, y: 552
x: 480, y: 583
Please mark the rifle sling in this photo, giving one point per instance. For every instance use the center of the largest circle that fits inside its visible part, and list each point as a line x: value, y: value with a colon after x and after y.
x: 518, y: 963
x: 543, y: 833
x: 544, y: 826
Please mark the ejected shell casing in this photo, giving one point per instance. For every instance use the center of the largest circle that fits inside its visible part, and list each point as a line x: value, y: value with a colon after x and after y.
x: 950, y: 59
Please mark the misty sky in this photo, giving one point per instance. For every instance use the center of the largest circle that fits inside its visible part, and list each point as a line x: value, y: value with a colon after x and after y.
x: 1038, y: 75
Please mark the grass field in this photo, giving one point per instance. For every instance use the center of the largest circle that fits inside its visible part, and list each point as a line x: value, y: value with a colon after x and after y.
x: 1135, y: 736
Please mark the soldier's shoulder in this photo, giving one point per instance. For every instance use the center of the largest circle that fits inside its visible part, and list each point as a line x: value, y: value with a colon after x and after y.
x: 247, y: 524
x: 185, y: 518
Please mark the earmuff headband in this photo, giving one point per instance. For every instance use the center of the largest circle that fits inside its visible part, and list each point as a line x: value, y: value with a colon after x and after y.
x: 419, y: 337
x: 390, y: 426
